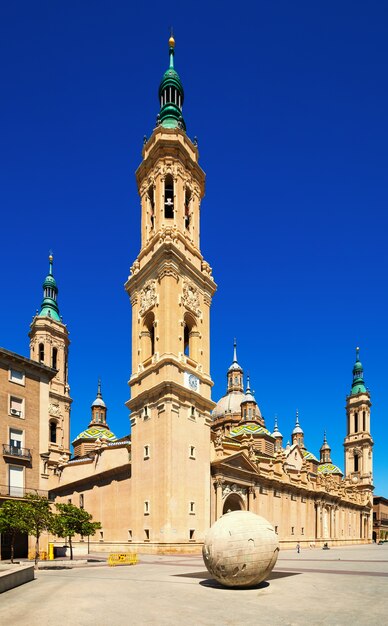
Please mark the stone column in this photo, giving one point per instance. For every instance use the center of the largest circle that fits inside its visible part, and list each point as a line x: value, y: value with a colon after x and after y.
x: 218, y: 485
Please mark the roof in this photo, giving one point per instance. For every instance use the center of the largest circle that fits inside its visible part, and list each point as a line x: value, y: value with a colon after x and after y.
x: 249, y: 428
x: 96, y: 432
x: 329, y: 468
x: 229, y: 403
x: 309, y: 456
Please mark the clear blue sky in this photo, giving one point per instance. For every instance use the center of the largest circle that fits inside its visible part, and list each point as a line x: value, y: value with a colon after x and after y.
x: 289, y: 101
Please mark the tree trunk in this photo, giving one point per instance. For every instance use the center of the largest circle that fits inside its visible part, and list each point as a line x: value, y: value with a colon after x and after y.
x: 71, y: 549
x: 36, y: 551
x: 12, y: 545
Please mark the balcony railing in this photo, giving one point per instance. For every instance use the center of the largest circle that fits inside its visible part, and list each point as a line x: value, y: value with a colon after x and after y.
x: 7, y: 491
x: 15, y: 451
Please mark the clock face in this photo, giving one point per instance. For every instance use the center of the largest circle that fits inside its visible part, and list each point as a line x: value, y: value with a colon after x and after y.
x: 193, y: 382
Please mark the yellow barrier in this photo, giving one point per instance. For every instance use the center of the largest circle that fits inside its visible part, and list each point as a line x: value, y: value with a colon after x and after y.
x: 119, y: 558
x: 42, y: 555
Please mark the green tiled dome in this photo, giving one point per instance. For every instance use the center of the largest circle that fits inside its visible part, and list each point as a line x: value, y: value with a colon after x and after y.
x: 96, y: 432
x: 329, y: 468
x: 250, y: 429
x: 309, y: 456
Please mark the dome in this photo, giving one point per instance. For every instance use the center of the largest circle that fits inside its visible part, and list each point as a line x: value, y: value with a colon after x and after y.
x: 276, y: 432
x: 171, y: 79
x: 329, y: 468
x: 230, y: 403
x: 99, y: 402
x: 96, y: 432
x: 249, y: 429
x: 309, y: 456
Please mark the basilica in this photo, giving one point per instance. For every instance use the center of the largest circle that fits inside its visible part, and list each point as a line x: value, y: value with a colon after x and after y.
x: 188, y: 459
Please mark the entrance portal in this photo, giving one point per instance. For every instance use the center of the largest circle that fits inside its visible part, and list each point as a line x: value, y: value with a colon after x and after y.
x: 233, y: 503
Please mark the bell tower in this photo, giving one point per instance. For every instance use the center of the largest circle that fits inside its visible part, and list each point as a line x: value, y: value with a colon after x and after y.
x: 49, y: 344
x: 170, y: 287
x: 358, y: 442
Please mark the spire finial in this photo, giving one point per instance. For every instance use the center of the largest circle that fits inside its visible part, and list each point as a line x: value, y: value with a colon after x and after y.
x: 234, y: 350
x: 171, y: 45
x: 248, y: 384
x: 357, y: 353
x: 297, y: 418
x: 51, y: 259
x: 324, y: 437
x: 99, y: 394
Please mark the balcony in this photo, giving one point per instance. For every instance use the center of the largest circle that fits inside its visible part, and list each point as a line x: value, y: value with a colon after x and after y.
x: 7, y: 491
x: 16, y: 452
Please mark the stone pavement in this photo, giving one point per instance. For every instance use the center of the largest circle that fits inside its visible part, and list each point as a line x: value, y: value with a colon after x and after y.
x: 341, y: 586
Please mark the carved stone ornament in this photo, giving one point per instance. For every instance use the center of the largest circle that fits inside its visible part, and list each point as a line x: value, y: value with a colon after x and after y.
x: 190, y: 298
x: 55, y: 410
x: 227, y: 489
x: 148, y: 296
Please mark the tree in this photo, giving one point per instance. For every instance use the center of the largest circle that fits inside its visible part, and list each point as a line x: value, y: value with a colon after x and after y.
x: 13, y: 520
x: 70, y: 521
x: 38, y: 518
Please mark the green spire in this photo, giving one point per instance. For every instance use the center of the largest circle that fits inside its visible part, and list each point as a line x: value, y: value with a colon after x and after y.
x: 358, y: 385
x: 171, y: 95
x: 49, y: 306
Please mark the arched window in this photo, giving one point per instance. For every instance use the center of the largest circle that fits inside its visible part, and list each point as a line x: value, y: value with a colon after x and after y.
x: 54, y: 358
x: 151, y: 199
x: 363, y: 421
x: 148, y: 336
x: 169, y: 197
x: 53, y: 432
x: 41, y: 352
x: 356, y: 422
x: 190, y: 337
x: 187, y: 208
x: 356, y: 465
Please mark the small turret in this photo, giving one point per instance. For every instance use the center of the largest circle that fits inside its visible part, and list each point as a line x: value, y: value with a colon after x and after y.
x: 99, y: 409
x: 358, y: 385
x: 235, y: 373
x: 277, y: 435
x: 297, y: 433
x: 325, y: 451
x: 171, y: 95
x: 49, y: 306
x: 249, y: 408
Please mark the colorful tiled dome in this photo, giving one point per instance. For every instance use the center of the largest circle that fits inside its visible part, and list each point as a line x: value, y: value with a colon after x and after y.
x: 96, y: 432
x: 250, y: 429
x: 309, y: 456
x: 329, y: 468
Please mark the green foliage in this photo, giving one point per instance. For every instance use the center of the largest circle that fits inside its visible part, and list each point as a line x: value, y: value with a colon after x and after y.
x: 38, y: 517
x: 13, y: 520
x: 71, y: 520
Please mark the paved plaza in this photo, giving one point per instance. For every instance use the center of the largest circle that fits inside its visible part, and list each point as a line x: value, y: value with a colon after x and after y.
x: 316, y: 587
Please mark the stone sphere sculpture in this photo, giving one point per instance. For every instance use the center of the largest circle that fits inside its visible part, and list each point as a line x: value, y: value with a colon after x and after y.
x: 240, y: 549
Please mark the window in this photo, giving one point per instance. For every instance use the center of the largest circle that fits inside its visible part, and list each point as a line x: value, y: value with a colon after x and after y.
x: 276, y: 529
x: 146, y: 452
x: 81, y: 500
x: 151, y: 200
x: 192, y: 508
x: 191, y: 534
x: 263, y: 490
x: 356, y: 422
x: 41, y: 352
x: 169, y: 197
x: 302, y: 530
x: 16, y: 480
x: 16, y: 406
x: 130, y: 535
x: 69, y: 501
x: 54, y: 359
x: 148, y: 336
x: 53, y: 432
x: 16, y: 440
x: 192, y: 452
x: 363, y: 421
x: 190, y: 337
x: 187, y: 208
x: 356, y: 463
x: 293, y: 496
x: 101, y: 535
x: 146, y: 534
x: 192, y: 412
x: 146, y: 507
x: 292, y: 530
x: 277, y: 493
x: 303, y: 499
x: 16, y: 376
